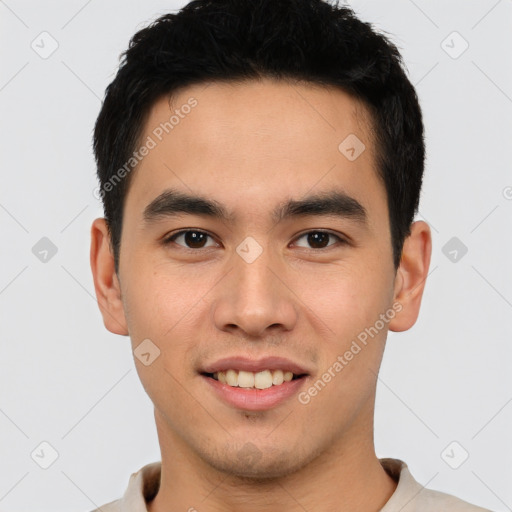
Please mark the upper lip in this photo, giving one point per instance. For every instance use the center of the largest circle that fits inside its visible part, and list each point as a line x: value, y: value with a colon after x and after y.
x: 254, y: 365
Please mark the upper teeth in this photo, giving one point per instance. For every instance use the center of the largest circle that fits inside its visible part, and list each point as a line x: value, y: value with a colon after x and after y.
x: 259, y: 380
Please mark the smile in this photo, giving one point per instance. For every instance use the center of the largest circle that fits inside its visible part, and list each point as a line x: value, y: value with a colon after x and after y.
x: 255, y: 380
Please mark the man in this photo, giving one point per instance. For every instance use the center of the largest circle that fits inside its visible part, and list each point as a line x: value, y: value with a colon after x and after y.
x: 260, y: 165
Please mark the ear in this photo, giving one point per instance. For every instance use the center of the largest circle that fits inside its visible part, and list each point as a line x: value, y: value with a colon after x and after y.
x: 411, y: 276
x: 106, y: 282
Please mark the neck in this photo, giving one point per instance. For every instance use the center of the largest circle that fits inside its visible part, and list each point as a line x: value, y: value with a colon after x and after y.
x: 346, y: 477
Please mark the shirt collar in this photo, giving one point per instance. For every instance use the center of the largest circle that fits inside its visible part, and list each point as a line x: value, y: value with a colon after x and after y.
x: 143, y: 486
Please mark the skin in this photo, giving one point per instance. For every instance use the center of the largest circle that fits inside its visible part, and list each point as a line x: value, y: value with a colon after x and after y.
x: 250, y: 146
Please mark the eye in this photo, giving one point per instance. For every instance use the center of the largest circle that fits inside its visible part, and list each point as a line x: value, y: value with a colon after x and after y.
x: 192, y: 239
x: 320, y: 239
x: 197, y: 239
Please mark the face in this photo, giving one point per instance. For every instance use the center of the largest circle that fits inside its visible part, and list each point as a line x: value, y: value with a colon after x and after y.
x: 279, y: 258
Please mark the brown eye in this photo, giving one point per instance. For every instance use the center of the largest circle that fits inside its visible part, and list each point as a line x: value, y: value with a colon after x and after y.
x: 192, y: 239
x: 319, y: 239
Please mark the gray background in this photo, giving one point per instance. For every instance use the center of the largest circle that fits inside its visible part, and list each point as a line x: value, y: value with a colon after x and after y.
x: 66, y: 381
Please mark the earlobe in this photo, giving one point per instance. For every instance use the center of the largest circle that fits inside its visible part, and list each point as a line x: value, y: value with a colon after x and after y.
x: 106, y: 282
x: 411, y: 276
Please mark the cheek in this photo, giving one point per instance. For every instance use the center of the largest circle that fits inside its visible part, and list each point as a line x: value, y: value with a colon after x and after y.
x: 161, y: 303
x: 149, y: 300
x: 159, y: 307
x: 344, y: 299
x: 349, y: 302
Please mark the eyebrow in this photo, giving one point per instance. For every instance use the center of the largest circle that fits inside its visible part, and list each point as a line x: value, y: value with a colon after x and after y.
x: 334, y: 203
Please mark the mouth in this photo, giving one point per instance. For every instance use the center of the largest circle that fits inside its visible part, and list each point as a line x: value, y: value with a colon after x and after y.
x: 254, y: 385
x: 254, y: 380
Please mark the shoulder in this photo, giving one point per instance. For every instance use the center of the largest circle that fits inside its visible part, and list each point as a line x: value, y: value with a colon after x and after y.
x: 113, y: 506
x: 410, y: 496
x: 142, y: 486
x: 433, y: 501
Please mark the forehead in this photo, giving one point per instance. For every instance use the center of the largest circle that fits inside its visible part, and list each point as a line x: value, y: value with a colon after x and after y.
x: 242, y: 143
x: 285, y: 116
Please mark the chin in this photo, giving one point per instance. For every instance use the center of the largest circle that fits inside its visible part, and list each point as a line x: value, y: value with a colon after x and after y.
x: 255, y: 463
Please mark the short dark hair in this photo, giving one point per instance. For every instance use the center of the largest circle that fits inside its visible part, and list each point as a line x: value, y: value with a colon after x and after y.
x: 236, y: 40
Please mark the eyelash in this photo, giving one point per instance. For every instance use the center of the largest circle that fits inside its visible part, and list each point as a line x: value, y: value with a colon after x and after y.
x: 170, y: 239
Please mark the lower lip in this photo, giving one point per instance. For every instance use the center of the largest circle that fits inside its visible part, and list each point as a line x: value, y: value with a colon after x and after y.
x: 255, y: 399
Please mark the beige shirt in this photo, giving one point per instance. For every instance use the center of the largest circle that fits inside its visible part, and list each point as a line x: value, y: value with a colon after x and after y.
x: 409, y: 495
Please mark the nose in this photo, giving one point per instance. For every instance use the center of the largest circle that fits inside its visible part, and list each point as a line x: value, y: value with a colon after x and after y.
x: 254, y: 298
